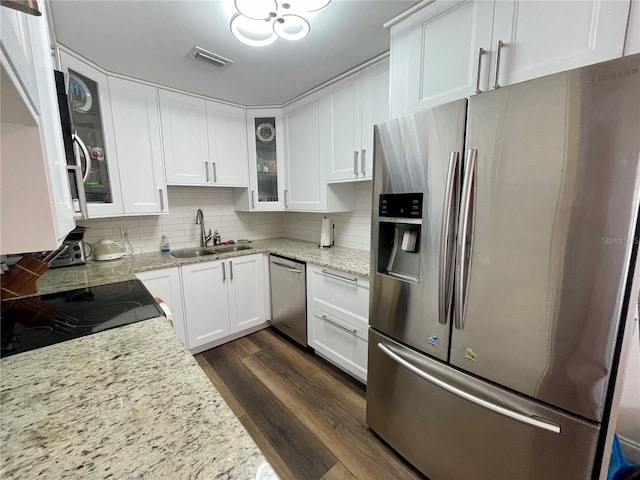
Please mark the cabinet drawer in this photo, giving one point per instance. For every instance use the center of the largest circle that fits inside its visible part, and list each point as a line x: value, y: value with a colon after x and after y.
x: 338, y: 293
x: 339, y: 341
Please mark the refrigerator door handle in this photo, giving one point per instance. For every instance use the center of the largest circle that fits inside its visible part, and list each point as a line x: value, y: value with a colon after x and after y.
x: 464, y: 238
x: 534, y: 421
x: 445, y: 278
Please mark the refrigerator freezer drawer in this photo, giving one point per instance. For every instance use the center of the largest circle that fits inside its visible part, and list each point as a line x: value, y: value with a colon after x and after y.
x: 452, y: 426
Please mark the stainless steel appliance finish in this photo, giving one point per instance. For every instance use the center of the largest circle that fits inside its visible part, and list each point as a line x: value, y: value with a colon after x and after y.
x: 524, y: 317
x: 289, y: 297
x: 418, y: 153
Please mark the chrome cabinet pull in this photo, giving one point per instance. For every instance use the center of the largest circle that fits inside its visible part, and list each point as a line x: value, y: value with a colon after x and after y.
x: 481, y: 52
x: 253, y: 199
x: 450, y: 203
x: 352, y: 332
x: 348, y: 279
x: 355, y: 163
x: 215, y: 173
x: 362, y: 160
x: 286, y: 204
x: 464, y: 238
x: 206, y: 169
x: 535, y: 422
x: 160, y: 191
x: 224, y: 273
x: 230, y: 270
x: 496, y: 84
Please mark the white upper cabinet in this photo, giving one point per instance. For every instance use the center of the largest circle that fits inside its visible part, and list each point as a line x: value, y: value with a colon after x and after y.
x: 184, y: 135
x: 88, y: 90
x: 375, y: 109
x: 136, y: 122
x: 305, y: 150
x: 306, y: 130
x: 35, y: 200
x: 434, y: 57
x: 265, y: 141
x: 351, y: 107
x: 227, y: 145
x: 452, y: 49
x: 544, y: 37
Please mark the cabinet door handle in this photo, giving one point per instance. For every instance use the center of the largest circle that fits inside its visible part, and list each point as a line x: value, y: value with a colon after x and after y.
x: 224, y: 273
x: 206, y: 169
x: 355, y: 163
x: 286, y: 204
x: 161, y: 192
x: 481, y: 52
x: 230, y: 270
x: 215, y: 174
x: 352, y: 332
x: 253, y: 199
x: 348, y: 279
x: 496, y: 84
x: 362, y: 160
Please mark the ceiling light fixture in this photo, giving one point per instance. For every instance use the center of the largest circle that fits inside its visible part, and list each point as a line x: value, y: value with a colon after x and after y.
x: 259, y: 23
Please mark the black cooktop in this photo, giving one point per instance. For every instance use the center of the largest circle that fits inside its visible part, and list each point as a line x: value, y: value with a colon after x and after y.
x: 36, y: 322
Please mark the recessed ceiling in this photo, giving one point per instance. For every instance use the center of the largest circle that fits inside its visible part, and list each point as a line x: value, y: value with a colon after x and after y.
x: 151, y: 40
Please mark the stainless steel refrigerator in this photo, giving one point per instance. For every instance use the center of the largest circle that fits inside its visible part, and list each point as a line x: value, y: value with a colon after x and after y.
x: 503, y: 246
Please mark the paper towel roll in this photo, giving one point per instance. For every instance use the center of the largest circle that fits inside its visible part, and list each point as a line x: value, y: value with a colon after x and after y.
x: 325, y: 233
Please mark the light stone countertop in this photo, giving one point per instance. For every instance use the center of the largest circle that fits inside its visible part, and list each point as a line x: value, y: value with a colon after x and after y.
x: 94, y: 273
x: 130, y: 402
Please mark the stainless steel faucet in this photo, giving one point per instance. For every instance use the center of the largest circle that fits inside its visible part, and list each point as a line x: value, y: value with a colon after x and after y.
x: 204, y: 238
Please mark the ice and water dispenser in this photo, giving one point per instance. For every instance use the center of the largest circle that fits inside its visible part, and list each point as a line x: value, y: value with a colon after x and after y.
x: 400, y: 228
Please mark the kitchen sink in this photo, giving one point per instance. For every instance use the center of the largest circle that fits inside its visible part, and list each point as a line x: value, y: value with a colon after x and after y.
x: 231, y: 248
x: 200, y: 252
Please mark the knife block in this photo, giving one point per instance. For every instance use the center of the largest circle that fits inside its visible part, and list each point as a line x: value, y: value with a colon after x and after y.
x: 22, y: 278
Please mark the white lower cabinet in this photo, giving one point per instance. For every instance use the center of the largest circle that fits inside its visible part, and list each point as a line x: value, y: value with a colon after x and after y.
x: 222, y: 300
x: 338, y: 318
x: 166, y: 284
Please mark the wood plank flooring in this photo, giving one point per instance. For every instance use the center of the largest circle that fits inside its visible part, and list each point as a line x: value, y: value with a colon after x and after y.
x: 307, y: 417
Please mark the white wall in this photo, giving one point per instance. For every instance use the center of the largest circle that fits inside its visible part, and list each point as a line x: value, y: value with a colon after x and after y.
x: 352, y: 229
x: 179, y: 225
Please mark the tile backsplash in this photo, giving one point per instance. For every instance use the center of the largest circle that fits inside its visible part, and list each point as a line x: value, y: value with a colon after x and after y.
x: 179, y: 225
x: 144, y: 232
x: 352, y: 229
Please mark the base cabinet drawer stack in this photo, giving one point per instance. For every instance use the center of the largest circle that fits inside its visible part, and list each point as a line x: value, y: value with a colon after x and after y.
x: 338, y: 318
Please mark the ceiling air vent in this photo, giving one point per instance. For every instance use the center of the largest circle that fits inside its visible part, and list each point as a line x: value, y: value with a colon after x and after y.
x: 211, y: 58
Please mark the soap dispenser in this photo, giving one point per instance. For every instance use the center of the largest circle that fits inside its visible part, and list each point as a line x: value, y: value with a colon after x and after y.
x: 164, y: 244
x: 216, y: 238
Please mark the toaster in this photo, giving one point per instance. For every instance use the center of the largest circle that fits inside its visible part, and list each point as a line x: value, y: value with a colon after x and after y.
x: 76, y: 253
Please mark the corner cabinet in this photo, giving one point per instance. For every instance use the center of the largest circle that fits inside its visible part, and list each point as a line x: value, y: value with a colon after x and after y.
x: 136, y: 124
x: 338, y: 318
x: 223, y: 300
x: 490, y: 44
x: 352, y: 107
x: 266, y: 163
x: 88, y: 91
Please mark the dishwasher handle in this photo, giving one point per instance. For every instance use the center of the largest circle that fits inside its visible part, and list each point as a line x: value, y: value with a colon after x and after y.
x: 286, y: 267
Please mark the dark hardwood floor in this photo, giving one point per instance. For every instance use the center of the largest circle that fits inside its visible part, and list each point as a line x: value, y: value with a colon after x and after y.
x: 307, y: 417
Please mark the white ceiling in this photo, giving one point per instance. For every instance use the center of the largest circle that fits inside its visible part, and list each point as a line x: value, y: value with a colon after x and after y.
x: 151, y: 40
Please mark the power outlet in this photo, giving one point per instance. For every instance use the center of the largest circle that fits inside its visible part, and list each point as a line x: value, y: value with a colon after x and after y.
x: 124, y: 231
x: 247, y: 223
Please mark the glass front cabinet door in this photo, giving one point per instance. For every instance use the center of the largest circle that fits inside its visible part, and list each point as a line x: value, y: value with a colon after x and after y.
x: 266, y: 189
x: 88, y: 94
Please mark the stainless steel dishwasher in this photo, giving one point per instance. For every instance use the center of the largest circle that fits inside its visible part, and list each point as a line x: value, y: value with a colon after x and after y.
x: 289, y: 297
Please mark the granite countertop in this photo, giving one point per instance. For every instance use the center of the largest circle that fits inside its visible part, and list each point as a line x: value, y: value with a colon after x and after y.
x: 114, y: 405
x: 94, y: 273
